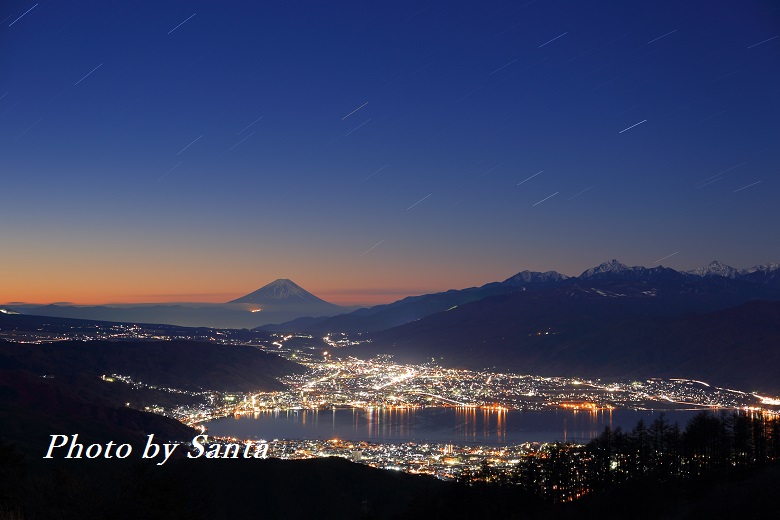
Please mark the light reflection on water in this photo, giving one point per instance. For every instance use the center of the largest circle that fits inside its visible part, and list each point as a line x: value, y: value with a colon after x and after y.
x: 464, y: 425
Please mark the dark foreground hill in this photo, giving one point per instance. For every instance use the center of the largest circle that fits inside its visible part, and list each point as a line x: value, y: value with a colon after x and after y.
x: 187, y: 365
x: 336, y: 489
x: 227, y: 489
x: 33, y: 408
x: 20, y: 326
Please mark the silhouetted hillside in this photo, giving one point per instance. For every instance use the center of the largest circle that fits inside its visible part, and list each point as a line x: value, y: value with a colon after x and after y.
x: 32, y: 408
x: 334, y: 488
x: 15, y: 325
x: 179, y: 364
x: 381, y: 317
x: 330, y: 488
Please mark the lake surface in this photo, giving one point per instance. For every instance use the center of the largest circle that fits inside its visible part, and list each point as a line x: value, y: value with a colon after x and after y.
x: 456, y: 425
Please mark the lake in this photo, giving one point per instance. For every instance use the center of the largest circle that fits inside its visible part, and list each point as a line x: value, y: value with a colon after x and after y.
x: 456, y: 425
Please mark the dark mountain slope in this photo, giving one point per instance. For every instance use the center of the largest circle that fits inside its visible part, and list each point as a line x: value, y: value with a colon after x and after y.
x: 58, y: 327
x: 593, y: 331
x: 413, y: 308
x: 723, y: 284
x: 179, y: 364
x: 33, y: 408
x: 403, y: 311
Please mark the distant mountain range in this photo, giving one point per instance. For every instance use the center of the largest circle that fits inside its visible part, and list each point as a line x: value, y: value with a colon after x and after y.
x: 715, y: 286
x: 279, y: 301
x: 757, y: 272
x: 715, y: 324
x: 282, y: 305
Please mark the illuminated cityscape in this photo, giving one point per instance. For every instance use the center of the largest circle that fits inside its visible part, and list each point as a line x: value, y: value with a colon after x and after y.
x: 388, y: 394
x: 381, y: 386
x: 332, y: 383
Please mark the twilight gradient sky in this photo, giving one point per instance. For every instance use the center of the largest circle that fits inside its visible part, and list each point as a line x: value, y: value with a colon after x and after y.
x: 195, y: 151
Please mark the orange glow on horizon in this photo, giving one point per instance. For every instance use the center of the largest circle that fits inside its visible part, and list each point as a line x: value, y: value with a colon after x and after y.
x: 51, y: 271
x: 105, y: 296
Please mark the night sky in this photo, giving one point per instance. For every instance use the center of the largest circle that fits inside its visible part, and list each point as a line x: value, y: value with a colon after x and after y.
x: 195, y: 151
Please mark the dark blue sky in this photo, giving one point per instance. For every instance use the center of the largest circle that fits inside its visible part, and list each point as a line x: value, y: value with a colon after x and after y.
x: 369, y: 151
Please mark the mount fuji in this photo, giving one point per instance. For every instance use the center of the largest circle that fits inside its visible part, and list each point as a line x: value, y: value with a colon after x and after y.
x: 280, y: 301
x: 283, y: 291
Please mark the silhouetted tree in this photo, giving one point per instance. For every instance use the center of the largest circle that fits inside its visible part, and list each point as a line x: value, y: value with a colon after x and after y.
x: 700, y: 442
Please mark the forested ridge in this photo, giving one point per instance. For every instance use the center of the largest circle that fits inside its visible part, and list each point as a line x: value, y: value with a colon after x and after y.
x: 711, y: 446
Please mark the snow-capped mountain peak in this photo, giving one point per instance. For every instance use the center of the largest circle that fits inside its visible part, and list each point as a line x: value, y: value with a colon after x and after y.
x: 612, y: 266
x: 281, y: 290
x: 715, y: 268
x: 763, y: 268
x: 525, y: 277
